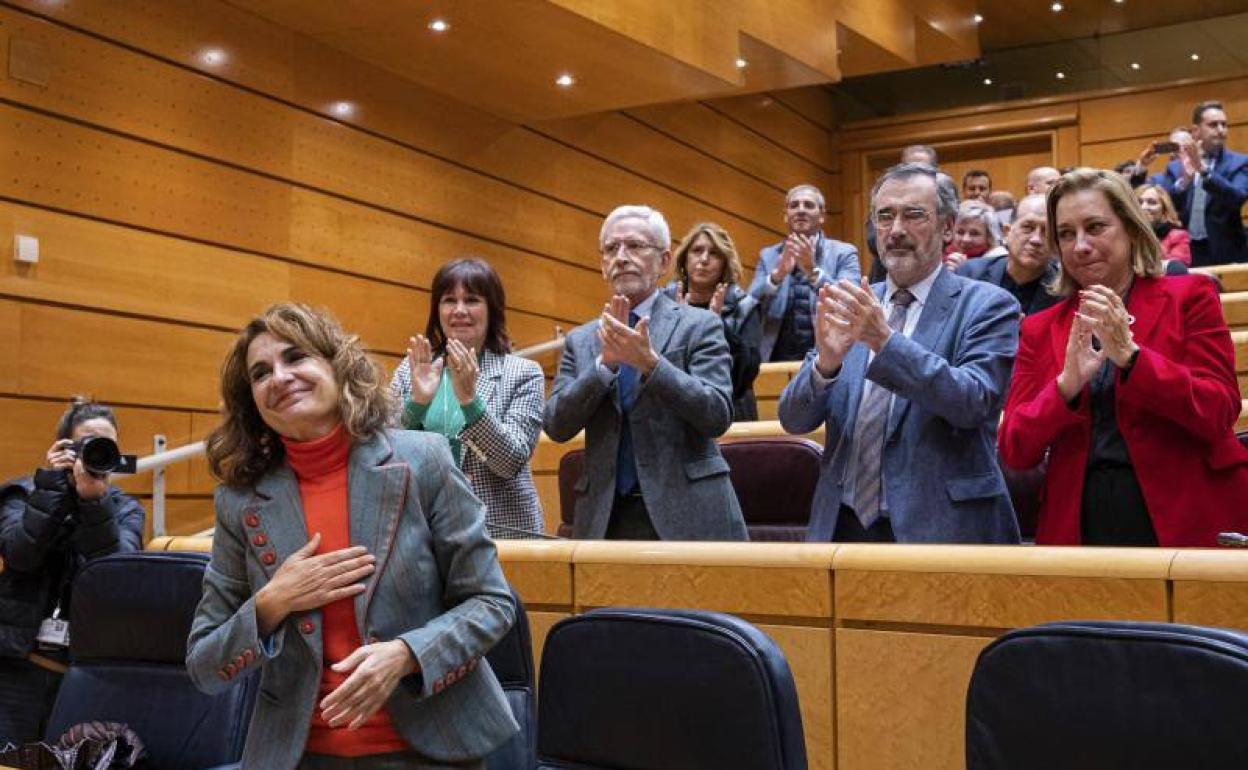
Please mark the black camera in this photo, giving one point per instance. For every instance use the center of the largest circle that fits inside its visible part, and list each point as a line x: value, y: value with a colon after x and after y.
x: 101, y: 456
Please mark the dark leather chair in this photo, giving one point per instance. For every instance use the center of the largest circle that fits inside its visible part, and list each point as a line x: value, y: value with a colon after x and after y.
x: 1025, y: 488
x: 131, y: 617
x: 1109, y: 695
x: 774, y: 479
x: 639, y: 688
x: 512, y: 662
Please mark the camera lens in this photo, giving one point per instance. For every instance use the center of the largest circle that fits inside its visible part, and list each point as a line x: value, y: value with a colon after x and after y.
x: 99, y: 454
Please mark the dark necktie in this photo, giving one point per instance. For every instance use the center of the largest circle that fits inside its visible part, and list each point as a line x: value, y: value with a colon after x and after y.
x: 625, y: 462
x: 869, y: 430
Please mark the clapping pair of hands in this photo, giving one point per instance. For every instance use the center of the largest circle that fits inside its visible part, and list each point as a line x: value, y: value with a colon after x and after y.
x: 426, y: 371
x: 1101, y: 315
x: 847, y: 313
x: 624, y: 345
x: 799, y: 250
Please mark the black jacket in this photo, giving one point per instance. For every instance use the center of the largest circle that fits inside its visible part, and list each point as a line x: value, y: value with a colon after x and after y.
x: 743, y: 330
x: 46, y: 535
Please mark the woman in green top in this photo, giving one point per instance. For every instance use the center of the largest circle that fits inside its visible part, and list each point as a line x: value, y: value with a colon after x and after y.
x: 459, y: 380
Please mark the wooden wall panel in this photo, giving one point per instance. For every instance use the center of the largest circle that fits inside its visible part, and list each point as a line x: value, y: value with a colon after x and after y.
x: 783, y: 126
x: 1155, y: 112
x: 116, y: 359
x: 10, y: 346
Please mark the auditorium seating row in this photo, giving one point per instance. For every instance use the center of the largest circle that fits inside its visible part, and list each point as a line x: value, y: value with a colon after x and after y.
x: 774, y: 478
x: 632, y: 688
x: 872, y: 630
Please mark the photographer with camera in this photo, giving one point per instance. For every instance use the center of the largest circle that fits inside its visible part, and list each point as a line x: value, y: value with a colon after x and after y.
x: 51, y: 525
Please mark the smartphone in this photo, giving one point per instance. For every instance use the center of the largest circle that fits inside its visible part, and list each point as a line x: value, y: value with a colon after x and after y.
x: 1162, y: 148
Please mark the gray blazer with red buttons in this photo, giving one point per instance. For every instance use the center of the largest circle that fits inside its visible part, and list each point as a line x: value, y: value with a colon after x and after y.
x: 438, y: 587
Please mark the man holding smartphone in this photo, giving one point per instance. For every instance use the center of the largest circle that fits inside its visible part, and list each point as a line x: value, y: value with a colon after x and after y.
x: 1209, y: 185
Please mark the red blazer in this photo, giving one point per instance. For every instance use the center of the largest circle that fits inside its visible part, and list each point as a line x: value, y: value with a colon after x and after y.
x: 1176, y: 412
x: 1177, y: 245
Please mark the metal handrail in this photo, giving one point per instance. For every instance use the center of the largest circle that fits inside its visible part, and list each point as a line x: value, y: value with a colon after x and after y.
x: 161, y: 457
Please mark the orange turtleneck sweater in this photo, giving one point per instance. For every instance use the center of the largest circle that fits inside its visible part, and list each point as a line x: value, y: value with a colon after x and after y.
x: 321, y: 467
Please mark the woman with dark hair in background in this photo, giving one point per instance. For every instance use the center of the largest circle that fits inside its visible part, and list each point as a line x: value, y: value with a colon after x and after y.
x: 350, y: 565
x: 51, y: 525
x: 1128, y: 386
x: 459, y: 379
x: 708, y: 270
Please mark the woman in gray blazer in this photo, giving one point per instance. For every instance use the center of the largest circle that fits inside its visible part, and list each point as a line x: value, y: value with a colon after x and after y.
x: 350, y: 566
x: 458, y: 379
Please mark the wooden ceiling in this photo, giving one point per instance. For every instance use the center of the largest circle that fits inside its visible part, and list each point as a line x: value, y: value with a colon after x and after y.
x: 1018, y: 23
x: 505, y: 55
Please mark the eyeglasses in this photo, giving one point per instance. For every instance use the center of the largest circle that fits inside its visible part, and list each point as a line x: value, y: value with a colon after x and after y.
x: 631, y: 248
x: 914, y: 215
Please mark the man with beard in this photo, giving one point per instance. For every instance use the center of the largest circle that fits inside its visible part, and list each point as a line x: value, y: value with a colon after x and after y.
x: 908, y: 377
x: 649, y: 382
x: 789, y: 275
x: 1026, y: 268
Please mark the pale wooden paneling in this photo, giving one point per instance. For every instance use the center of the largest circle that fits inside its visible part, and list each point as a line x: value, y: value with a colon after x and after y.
x: 809, y: 652
x: 200, y: 481
x: 108, y: 267
x: 142, y: 362
x: 975, y: 123
x: 10, y: 346
x: 782, y: 126
x: 901, y: 699
x: 1156, y: 112
x: 699, y: 126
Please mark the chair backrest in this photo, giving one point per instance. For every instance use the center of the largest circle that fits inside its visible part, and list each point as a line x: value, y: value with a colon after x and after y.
x: 1025, y: 488
x: 646, y: 688
x: 130, y: 619
x: 512, y: 662
x: 1109, y: 695
x: 774, y: 479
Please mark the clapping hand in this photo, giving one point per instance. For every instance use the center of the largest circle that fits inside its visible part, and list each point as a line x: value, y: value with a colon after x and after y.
x: 717, y: 299
x: 622, y: 345
x: 426, y: 373
x: 1107, y: 318
x: 1082, y: 361
x: 804, y: 253
x: 464, y: 370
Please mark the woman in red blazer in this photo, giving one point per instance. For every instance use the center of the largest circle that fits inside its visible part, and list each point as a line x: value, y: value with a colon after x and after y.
x: 1128, y: 386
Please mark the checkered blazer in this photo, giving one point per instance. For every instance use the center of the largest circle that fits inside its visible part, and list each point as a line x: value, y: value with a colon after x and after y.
x: 497, y: 448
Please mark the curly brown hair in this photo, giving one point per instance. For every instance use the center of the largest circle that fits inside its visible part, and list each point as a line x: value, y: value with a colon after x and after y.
x: 243, y: 448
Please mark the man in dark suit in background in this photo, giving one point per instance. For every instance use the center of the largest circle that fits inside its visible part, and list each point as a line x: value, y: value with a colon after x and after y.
x: 649, y: 382
x: 1028, y: 266
x: 789, y: 274
x: 1209, y: 185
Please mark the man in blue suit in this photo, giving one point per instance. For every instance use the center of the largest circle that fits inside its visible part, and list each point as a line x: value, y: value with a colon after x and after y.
x: 1209, y: 185
x: 908, y: 376
x: 789, y: 275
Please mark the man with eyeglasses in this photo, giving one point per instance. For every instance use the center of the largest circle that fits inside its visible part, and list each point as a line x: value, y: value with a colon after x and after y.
x: 789, y: 274
x: 649, y: 382
x: 908, y: 377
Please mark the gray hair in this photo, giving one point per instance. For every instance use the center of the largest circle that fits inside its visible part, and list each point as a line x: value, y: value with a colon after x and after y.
x: 986, y: 215
x: 946, y: 192
x: 810, y: 188
x: 655, y: 223
x: 925, y: 149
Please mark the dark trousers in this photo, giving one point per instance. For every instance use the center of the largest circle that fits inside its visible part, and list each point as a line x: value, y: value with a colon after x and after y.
x: 630, y: 520
x: 849, y: 529
x: 397, y: 761
x: 1114, y: 512
x: 27, y: 693
x: 1201, y: 257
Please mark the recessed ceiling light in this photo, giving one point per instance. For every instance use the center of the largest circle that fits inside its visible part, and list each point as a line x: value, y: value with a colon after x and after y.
x: 1061, y: 76
x: 979, y: 18
x: 1135, y: 65
x: 439, y: 25
x: 342, y: 109
x: 565, y: 80
x: 1195, y: 57
x: 987, y: 81
x: 1119, y: 2
x: 742, y: 63
x: 1056, y: 7
x: 212, y: 57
